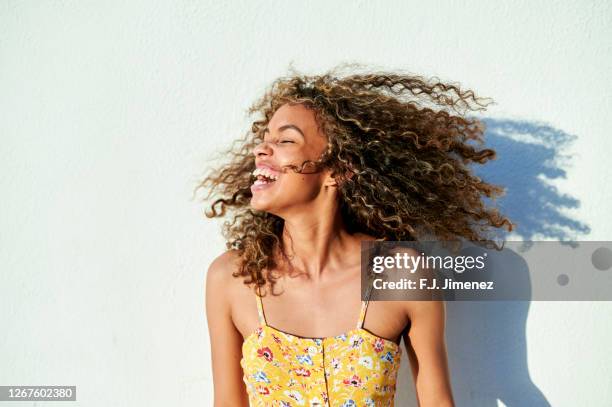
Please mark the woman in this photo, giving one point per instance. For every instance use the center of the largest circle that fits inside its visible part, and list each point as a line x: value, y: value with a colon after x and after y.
x: 331, y: 162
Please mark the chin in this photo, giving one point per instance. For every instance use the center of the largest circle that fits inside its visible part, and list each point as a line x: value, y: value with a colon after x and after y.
x: 260, y: 206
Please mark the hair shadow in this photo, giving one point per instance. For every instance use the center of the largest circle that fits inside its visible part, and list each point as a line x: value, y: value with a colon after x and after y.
x: 486, y: 340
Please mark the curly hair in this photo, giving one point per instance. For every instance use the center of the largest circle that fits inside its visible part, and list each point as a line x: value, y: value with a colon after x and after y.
x: 404, y: 141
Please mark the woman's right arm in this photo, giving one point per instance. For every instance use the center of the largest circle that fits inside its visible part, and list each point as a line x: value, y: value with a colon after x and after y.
x: 225, y: 339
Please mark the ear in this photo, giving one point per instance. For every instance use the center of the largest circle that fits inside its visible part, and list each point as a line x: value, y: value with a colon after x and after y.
x: 332, y: 181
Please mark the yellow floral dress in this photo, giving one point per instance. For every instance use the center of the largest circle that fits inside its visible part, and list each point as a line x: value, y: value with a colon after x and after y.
x: 354, y: 369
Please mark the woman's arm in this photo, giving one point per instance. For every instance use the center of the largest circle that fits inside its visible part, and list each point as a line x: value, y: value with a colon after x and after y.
x: 426, y: 349
x: 225, y: 339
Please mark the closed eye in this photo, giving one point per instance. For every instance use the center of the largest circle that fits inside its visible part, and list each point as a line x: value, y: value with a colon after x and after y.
x: 279, y: 142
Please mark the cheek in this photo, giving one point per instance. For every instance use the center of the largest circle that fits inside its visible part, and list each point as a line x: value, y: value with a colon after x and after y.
x: 300, y: 185
x: 303, y: 180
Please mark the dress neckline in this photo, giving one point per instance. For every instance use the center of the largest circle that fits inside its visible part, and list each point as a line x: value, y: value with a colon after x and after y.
x: 348, y: 333
x: 263, y: 324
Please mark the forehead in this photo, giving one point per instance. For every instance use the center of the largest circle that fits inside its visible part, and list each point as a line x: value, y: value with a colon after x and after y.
x: 296, y: 114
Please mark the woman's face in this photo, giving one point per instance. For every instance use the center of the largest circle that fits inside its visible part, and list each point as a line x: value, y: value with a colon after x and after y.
x: 292, y: 137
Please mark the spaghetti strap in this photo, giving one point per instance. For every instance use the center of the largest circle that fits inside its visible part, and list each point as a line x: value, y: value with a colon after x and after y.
x: 364, y: 307
x: 260, y: 311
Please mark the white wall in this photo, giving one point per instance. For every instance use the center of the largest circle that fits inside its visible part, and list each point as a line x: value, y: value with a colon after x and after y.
x: 110, y: 111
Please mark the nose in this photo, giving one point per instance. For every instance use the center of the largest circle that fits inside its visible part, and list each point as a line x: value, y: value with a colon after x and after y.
x: 261, y: 148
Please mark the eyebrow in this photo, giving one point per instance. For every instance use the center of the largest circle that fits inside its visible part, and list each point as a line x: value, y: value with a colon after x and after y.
x: 286, y: 127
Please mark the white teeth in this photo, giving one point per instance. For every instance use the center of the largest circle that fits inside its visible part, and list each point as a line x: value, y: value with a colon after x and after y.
x: 265, y: 172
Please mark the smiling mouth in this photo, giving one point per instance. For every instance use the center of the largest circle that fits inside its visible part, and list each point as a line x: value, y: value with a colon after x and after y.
x: 262, y: 182
x: 264, y: 176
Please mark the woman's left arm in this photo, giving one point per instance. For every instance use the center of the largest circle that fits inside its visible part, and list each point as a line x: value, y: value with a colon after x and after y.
x: 426, y: 347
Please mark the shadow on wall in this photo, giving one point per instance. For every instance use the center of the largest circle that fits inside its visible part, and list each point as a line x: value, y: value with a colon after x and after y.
x: 527, y: 156
x: 486, y: 340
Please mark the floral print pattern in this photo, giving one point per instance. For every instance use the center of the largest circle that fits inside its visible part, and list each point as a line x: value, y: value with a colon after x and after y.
x: 354, y: 369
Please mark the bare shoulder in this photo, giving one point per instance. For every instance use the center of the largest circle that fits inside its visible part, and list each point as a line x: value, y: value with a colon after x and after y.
x: 219, y: 277
x: 227, y: 296
x: 222, y: 266
x: 425, y: 308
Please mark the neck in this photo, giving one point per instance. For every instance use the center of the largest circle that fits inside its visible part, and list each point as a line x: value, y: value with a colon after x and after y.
x: 317, y: 245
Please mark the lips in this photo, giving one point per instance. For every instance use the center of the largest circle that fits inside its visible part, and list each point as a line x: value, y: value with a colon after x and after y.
x: 269, y: 167
x: 264, y: 171
x: 260, y: 184
x: 265, y: 175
